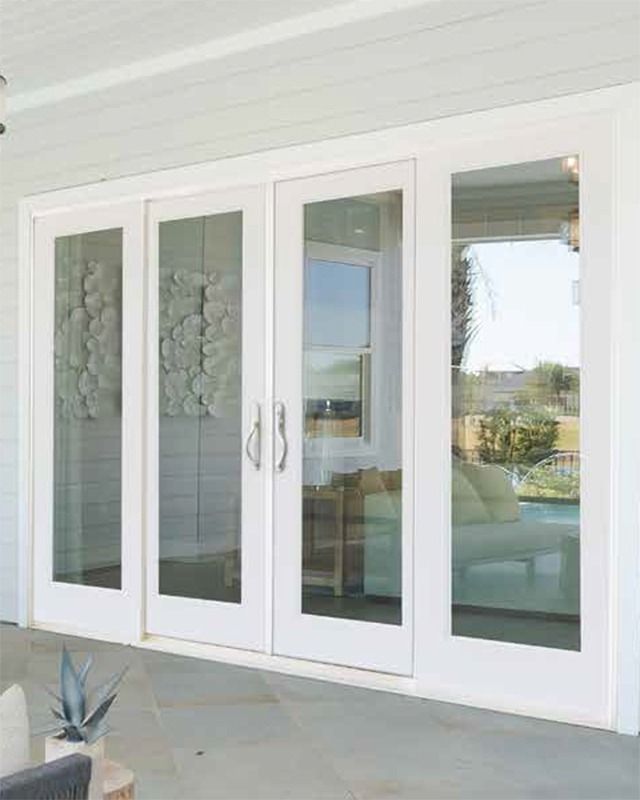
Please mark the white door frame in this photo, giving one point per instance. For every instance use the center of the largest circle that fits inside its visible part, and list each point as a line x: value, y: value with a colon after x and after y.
x: 355, y: 643
x: 96, y: 611
x: 504, y: 674
x: 618, y: 108
x: 228, y: 624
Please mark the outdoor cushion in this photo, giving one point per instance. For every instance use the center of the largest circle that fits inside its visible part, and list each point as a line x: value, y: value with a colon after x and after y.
x: 466, y: 506
x: 14, y: 731
x: 62, y: 779
x: 495, y: 490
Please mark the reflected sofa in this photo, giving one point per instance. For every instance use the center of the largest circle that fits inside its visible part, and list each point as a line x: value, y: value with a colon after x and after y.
x: 487, y: 529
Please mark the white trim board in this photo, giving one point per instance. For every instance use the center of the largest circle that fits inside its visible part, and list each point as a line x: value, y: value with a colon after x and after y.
x: 619, y: 108
x: 214, y: 49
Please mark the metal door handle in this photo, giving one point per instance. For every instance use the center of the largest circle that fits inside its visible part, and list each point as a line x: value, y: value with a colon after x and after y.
x: 281, y: 433
x: 253, y: 453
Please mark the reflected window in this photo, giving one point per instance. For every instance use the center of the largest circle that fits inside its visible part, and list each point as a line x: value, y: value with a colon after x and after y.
x: 515, y: 373
x: 337, y: 347
x: 352, y: 395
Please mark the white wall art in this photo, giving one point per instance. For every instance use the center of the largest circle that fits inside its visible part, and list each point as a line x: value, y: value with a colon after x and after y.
x: 88, y: 339
x: 199, y: 330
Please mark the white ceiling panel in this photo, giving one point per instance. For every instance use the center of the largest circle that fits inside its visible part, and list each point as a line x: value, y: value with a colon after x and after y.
x: 45, y: 42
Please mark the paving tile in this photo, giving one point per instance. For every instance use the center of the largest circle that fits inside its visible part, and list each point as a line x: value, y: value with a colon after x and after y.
x: 278, y: 769
x: 150, y: 756
x: 214, y: 687
x: 306, y: 690
x: 198, y: 729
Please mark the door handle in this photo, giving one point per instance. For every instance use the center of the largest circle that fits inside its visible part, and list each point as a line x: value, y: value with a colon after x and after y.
x: 253, y: 444
x: 281, y: 433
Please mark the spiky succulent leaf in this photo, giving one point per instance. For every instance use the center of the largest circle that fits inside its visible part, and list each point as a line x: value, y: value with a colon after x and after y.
x: 100, y: 730
x: 46, y: 729
x: 73, y: 734
x: 73, y: 697
x: 73, y: 721
x: 101, y: 693
x: 53, y: 694
x: 98, y: 713
x: 84, y: 671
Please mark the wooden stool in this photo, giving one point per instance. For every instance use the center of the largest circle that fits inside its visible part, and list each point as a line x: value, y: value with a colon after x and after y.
x: 118, y: 781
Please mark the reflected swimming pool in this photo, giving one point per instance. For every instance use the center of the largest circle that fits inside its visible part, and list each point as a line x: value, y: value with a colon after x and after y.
x: 568, y: 513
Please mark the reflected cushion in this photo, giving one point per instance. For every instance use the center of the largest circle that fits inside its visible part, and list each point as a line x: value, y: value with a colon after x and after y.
x: 466, y: 504
x: 495, y: 490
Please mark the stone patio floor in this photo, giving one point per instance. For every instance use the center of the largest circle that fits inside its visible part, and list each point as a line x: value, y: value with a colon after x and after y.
x: 199, y: 729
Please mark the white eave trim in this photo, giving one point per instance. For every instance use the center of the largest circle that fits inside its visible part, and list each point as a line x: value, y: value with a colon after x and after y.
x: 214, y: 49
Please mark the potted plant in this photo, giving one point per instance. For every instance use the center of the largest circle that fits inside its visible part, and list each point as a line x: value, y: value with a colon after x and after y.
x: 80, y: 718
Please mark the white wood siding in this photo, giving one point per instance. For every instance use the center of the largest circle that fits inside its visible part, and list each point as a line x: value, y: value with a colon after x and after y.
x: 420, y: 63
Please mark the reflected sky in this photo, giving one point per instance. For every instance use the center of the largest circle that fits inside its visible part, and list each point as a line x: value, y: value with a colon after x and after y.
x: 337, y: 300
x: 524, y: 303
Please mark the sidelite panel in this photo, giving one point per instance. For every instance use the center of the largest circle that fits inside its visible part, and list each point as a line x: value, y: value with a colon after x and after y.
x: 515, y: 379
x: 352, y: 409
x: 200, y: 404
x: 88, y: 409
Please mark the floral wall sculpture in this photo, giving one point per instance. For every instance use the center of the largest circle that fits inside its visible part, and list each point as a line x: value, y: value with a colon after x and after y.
x: 88, y: 338
x: 199, y: 334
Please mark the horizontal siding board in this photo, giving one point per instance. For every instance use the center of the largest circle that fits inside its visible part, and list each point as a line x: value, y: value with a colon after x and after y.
x: 431, y: 15
x: 349, y: 107
x: 119, y: 31
x: 318, y: 59
x: 392, y: 70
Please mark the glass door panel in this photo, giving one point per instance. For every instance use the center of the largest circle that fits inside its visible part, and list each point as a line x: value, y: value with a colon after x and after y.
x: 515, y: 379
x: 88, y: 409
x: 200, y: 425
x: 514, y: 433
x: 352, y: 396
x: 341, y: 377
x: 86, y: 486
x: 205, y: 563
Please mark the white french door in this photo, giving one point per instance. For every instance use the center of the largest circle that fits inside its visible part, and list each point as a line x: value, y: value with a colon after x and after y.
x: 513, y: 506
x: 86, y: 421
x: 394, y: 454
x: 205, y: 405
x: 343, y: 418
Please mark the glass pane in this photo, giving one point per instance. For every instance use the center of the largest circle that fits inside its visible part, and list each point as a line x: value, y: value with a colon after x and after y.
x: 515, y: 372
x: 352, y: 395
x: 200, y: 351
x: 350, y: 222
x: 338, y: 299
x: 335, y: 385
x: 88, y: 413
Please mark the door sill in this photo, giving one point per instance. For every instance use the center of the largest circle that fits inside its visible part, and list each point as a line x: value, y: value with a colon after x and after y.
x: 350, y: 676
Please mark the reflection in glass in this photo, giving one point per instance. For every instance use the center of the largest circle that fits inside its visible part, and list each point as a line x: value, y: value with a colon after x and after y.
x: 87, y: 409
x: 352, y: 394
x: 336, y: 385
x: 337, y: 292
x: 200, y: 353
x: 515, y: 372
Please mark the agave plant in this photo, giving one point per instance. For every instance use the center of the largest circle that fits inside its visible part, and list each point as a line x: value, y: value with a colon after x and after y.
x: 81, y: 715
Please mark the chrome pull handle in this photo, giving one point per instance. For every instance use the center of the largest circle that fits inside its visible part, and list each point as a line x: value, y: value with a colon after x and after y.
x: 281, y: 433
x: 253, y: 444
